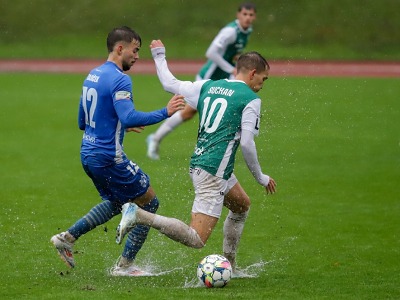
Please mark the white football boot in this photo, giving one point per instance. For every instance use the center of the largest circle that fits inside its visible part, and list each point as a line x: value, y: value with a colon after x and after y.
x: 128, y: 220
x: 152, y: 148
x: 64, y: 248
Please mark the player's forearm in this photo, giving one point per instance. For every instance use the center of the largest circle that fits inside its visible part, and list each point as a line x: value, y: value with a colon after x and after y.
x: 130, y: 117
x: 167, y: 79
x: 250, y: 156
x: 214, y: 55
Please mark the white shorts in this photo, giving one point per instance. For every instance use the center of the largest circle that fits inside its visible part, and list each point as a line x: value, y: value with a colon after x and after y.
x: 209, y: 192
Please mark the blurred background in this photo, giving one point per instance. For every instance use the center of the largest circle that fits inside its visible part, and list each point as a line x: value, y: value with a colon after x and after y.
x: 284, y: 29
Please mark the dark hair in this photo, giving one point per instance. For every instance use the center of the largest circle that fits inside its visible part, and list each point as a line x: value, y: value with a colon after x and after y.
x: 252, y: 60
x: 121, y: 34
x: 248, y: 6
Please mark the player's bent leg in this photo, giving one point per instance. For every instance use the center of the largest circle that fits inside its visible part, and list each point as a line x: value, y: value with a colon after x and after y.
x: 129, y: 213
x: 135, y: 240
x: 171, y: 227
x: 203, y: 224
x: 208, y: 203
x: 137, y: 236
x: 238, y: 203
x: 98, y: 215
x: 146, y: 198
x: 178, y: 231
x: 233, y: 228
x: 236, y: 199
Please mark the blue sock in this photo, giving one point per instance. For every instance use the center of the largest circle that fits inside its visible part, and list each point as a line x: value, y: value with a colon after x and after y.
x: 98, y: 215
x: 138, y: 234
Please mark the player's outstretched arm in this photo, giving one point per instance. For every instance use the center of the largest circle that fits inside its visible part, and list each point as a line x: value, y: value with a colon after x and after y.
x: 190, y: 90
x: 167, y: 79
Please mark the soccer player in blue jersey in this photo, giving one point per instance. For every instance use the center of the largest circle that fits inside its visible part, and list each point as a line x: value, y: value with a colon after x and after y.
x: 106, y: 112
x: 221, y: 59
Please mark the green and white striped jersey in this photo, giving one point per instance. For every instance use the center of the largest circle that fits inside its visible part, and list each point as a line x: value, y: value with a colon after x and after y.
x: 225, y: 107
x: 229, y: 43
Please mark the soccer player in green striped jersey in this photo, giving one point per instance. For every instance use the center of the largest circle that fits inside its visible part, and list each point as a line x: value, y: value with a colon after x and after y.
x: 221, y: 59
x: 229, y: 111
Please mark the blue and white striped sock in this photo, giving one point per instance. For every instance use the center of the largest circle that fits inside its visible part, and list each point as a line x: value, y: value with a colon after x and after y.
x: 98, y: 215
x: 138, y: 234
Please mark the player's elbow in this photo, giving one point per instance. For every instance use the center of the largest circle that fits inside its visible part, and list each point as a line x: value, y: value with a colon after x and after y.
x: 210, y: 53
x: 166, y: 87
x: 246, y: 146
x: 126, y: 124
x: 171, y: 86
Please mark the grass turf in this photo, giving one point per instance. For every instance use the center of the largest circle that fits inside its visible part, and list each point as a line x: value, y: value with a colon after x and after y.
x: 285, y: 30
x: 331, y: 231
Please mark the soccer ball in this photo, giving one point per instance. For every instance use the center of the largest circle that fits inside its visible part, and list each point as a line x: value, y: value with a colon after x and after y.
x: 214, y: 271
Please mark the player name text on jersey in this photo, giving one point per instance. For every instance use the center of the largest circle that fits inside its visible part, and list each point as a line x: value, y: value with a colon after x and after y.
x: 93, y: 78
x: 220, y: 91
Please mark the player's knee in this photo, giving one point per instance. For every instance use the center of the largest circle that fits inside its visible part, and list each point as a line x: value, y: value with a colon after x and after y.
x: 198, y: 244
x: 247, y: 202
x: 246, y: 205
x: 152, y: 206
x: 238, y: 217
x: 195, y: 239
x: 240, y: 209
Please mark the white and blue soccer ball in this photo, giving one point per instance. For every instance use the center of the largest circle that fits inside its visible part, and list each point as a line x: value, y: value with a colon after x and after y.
x: 214, y: 271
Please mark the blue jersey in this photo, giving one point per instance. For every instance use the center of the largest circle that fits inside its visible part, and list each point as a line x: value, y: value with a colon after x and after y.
x: 106, y: 109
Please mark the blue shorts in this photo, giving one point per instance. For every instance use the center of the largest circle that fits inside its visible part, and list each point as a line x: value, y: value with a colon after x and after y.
x: 119, y: 182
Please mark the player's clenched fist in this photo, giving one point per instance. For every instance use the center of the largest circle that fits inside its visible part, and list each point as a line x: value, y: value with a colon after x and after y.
x: 156, y: 44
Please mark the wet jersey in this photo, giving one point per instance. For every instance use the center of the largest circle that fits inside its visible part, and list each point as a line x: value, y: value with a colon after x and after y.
x: 106, y: 110
x: 221, y: 107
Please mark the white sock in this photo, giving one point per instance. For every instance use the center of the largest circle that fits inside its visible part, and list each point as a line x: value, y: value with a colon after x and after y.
x: 233, y: 228
x: 167, y: 126
x: 178, y: 231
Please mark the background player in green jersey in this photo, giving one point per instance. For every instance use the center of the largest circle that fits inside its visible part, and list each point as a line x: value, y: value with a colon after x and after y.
x: 229, y: 113
x: 222, y: 55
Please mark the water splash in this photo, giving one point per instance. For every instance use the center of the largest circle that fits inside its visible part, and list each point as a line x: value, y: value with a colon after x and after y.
x: 193, y: 283
x: 154, y: 270
x: 251, y: 271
